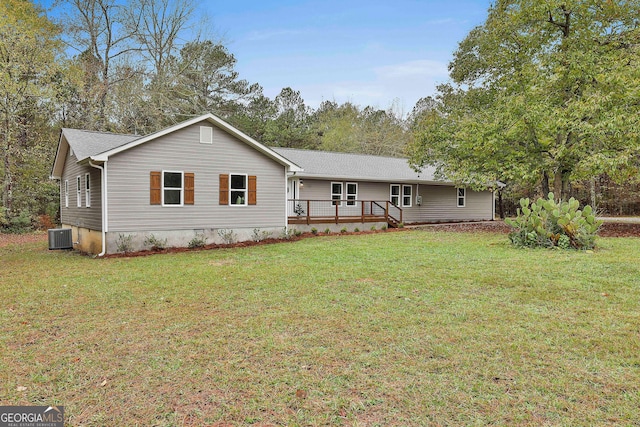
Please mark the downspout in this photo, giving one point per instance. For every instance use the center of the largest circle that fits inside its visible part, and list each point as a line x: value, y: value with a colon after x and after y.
x: 103, y: 191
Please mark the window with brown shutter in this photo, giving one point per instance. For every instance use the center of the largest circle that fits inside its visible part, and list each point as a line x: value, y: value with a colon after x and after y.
x: 224, y: 189
x: 189, y: 188
x: 252, y: 197
x: 156, y: 188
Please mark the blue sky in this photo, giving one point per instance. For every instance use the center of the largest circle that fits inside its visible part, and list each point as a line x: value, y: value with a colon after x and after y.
x: 367, y: 52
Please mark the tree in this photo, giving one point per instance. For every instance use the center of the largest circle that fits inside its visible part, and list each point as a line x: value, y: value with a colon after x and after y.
x: 29, y: 45
x: 205, y: 80
x: 291, y: 124
x: 544, y: 92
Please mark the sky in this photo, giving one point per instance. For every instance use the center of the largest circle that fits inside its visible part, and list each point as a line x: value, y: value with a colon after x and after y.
x: 366, y: 52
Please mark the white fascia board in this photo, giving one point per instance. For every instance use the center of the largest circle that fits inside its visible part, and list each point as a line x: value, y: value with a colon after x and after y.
x: 56, y: 169
x: 373, y: 179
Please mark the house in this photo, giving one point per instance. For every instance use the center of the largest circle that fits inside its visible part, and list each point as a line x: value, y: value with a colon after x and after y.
x: 359, y: 184
x: 204, y: 178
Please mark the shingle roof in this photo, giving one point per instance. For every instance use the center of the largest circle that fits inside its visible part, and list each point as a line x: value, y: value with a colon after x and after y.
x: 86, y: 143
x: 332, y: 165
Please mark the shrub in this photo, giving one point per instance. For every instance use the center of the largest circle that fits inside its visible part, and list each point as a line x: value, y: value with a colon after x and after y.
x: 373, y: 228
x: 287, y: 233
x: 260, y: 235
x: 343, y: 230
x: 155, y: 243
x: 314, y: 231
x: 229, y: 237
x: 297, y: 233
x: 123, y: 243
x: 20, y: 223
x: 355, y: 230
x: 198, y: 241
x: 401, y: 225
x: 384, y: 227
x: 547, y: 223
x: 327, y: 231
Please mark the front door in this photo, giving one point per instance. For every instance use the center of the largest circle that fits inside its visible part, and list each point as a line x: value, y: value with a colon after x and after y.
x: 292, y: 194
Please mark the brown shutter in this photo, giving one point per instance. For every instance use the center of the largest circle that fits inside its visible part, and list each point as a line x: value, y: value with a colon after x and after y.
x: 252, y: 198
x: 189, y: 188
x: 156, y: 188
x: 224, y: 189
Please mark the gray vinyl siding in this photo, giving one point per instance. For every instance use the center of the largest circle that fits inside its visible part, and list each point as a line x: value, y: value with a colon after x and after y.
x: 128, y: 184
x: 439, y: 202
x: 87, y: 217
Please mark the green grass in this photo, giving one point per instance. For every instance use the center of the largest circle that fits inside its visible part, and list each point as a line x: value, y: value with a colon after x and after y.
x: 411, y: 328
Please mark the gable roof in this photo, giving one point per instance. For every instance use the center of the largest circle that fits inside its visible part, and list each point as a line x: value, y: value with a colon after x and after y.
x: 361, y: 167
x: 99, y: 146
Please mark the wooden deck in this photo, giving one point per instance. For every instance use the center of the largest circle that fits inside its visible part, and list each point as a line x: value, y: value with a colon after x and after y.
x: 343, y: 211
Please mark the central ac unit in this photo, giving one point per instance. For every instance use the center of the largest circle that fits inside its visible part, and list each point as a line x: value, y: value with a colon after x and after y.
x: 60, y: 238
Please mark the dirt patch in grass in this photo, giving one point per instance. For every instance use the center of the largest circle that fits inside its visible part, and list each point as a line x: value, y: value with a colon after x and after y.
x: 13, y: 239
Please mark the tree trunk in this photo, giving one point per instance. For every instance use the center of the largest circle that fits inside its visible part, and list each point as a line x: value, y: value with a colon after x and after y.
x: 592, y: 189
x: 7, y: 188
x: 545, y: 184
x: 500, y: 204
x: 558, y: 185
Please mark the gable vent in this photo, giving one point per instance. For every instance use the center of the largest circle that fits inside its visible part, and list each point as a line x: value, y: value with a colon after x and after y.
x: 60, y: 238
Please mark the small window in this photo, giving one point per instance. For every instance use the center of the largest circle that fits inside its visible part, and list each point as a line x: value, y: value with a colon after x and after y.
x: 238, y: 190
x: 206, y: 135
x: 406, y: 196
x: 66, y: 193
x: 352, y: 193
x: 172, y: 188
x: 336, y: 193
x: 395, y: 194
x: 461, y: 197
x: 87, y: 190
x: 79, y: 191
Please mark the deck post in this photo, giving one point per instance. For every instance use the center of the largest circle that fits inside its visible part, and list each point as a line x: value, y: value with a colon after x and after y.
x: 362, y: 212
x: 338, y: 202
x: 308, y: 212
x: 386, y: 212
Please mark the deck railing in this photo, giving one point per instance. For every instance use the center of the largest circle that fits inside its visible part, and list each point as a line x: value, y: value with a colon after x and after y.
x: 342, y: 211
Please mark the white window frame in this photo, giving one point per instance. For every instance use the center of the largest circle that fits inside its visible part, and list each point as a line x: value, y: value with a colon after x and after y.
x: 181, y: 189
x: 245, y: 190
x: 351, y: 197
x: 339, y: 199
x: 404, y: 196
x: 66, y: 193
x: 206, y: 135
x: 461, y: 195
x: 396, y: 196
x: 87, y: 190
x: 79, y: 191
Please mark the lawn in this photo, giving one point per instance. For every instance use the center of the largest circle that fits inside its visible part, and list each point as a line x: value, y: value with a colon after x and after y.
x: 391, y: 329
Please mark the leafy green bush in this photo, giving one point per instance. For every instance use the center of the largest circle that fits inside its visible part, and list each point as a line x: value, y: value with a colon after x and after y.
x: 547, y: 223
x: 229, y: 237
x: 198, y: 241
x: 22, y: 223
x: 155, y: 243
x: 314, y: 231
x: 124, y: 243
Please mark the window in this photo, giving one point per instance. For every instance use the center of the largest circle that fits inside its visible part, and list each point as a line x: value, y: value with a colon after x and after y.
x: 395, y: 194
x: 352, y: 193
x: 79, y: 191
x: 87, y: 190
x: 171, y: 188
x: 238, y: 189
x: 66, y: 193
x: 406, y: 196
x: 206, y: 135
x: 461, y: 197
x: 336, y: 193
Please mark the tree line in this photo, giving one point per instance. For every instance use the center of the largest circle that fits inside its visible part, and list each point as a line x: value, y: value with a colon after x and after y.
x: 543, y: 95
